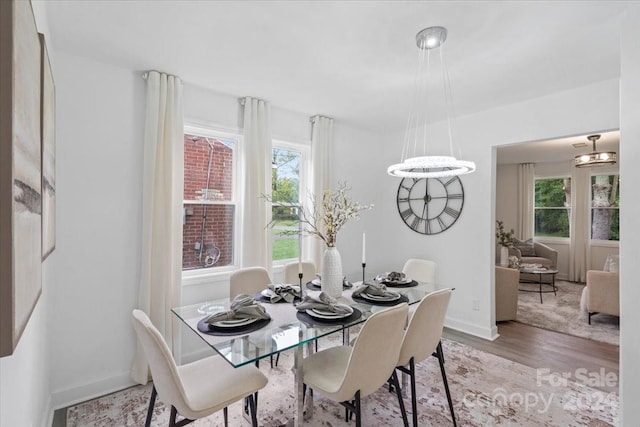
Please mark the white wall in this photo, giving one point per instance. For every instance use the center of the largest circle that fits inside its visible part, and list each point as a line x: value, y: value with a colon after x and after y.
x: 507, y: 195
x: 24, y: 376
x: 630, y: 238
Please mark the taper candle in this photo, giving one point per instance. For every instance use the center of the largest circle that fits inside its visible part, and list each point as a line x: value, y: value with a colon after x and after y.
x: 364, y: 257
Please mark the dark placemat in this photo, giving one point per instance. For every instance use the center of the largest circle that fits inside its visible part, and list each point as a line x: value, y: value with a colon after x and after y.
x: 400, y: 285
x: 261, y: 298
x: 208, y: 329
x: 313, y: 287
x: 304, y: 317
x: 403, y: 298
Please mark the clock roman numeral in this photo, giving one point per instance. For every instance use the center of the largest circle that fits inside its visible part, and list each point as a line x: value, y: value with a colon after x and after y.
x: 403, y: 199
x: 441, y: 223
x: 416, y: 221
x: 455, y: 196
x: 427, y: 227
x: 453, y: 179
x: 406, y: 214
x: 451, y: 212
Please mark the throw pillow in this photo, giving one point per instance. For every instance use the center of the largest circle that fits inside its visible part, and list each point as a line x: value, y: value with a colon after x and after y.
x: 525, y: 247
x: 612, y: 263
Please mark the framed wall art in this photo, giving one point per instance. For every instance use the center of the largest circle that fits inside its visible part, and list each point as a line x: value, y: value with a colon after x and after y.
x: 20, y: 171
x: 48, y: 154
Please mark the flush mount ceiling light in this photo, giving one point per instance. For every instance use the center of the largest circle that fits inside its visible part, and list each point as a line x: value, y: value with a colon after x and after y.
x: 595, y: 158
x: 416, y: 160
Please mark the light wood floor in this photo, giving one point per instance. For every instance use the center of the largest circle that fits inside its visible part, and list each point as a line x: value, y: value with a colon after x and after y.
x: 540, y: 348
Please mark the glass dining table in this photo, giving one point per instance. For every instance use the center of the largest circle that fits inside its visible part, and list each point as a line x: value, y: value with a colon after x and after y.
x: 286, y: 331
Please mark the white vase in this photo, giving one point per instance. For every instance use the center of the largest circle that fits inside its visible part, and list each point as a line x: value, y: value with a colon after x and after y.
x: 331, y: 281
x: 504, y: 256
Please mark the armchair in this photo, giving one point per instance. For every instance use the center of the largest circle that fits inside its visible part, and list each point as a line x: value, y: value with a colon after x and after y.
x: 507, y: 280
x: 542, y: 254
x: 602, y: 293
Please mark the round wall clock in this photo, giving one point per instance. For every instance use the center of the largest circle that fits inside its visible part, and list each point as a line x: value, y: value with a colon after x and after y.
x: 430, y: 205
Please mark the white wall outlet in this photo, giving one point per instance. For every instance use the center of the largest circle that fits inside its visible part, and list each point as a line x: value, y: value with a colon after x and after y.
x: 476, y: 305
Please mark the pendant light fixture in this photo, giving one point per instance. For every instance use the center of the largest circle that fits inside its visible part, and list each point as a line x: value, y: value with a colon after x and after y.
x: 416, y: 160
x: 595, y: 158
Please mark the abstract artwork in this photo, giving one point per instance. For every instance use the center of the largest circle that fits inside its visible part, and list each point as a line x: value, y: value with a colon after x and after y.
x: 20, y: 171
x: 48, y: 155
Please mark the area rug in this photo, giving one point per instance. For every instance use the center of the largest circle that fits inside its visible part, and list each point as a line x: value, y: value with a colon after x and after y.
x: 487, y: 391
x: 561, y: 313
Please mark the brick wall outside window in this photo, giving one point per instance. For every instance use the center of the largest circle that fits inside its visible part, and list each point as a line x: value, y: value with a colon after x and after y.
x: 200, y: 249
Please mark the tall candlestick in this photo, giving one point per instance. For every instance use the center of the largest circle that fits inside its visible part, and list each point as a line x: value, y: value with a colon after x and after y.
x: 364, y: 257
x: 299, y: 253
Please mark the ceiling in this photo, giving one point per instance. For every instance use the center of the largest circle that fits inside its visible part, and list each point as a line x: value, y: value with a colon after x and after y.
x: 351, y: 60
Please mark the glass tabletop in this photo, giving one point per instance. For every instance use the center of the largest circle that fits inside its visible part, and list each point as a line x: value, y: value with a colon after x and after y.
x: 284, y: 331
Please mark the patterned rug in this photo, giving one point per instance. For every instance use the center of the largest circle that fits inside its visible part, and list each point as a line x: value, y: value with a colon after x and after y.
x: 487, y: 391
x: 562, y: 313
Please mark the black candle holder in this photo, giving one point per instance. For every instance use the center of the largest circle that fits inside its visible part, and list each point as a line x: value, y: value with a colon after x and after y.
x: 364, y: 265
x: 300, y: 279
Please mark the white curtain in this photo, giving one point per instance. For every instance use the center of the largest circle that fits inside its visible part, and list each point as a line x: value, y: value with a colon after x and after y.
x: 256, y: 164
x: 321, y: 142
x: 580, y: 211
x: 162, y: 192
x: 525, y: 200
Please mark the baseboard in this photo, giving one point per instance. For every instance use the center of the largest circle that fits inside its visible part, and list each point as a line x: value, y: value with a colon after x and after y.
x: 74, y: 395
x: 490, y: 333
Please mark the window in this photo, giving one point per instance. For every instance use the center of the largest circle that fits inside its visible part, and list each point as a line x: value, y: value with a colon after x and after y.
x: 286, y: 180
x: 209, y: 207
x: 552, y: 207
x: 605, y: 207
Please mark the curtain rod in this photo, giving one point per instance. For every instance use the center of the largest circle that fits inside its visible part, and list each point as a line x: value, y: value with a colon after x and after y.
x: 145, y: 75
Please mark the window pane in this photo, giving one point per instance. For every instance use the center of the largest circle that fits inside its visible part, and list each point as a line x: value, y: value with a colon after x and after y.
x: 208, y: 168
x: 285, y: 175
x: 285, y: 187
x: 605, y: 200
x: 553, y: 193
x: 605, y: 224
x: 552, y: 222
x: 285, y: 246
x: 208, y: 236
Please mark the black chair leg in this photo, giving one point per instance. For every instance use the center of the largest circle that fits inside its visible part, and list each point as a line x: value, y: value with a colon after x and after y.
x: 446, y: 383
x: 396, y: 384
x: 152, y: 402
x: 414, y: 399
x: 254, y: 410
x: 225, y: 413
x: 357, y: 409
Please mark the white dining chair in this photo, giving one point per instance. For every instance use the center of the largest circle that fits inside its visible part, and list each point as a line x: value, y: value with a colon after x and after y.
x: 347, y: 374
x: 195, y: 390
x: 291, y: 273
x: 420, y: 270
x: 248, y: 281
x: 422, y: 339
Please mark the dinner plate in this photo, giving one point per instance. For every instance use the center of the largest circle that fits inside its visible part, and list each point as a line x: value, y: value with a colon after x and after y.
x: 385, y: 298
x: 234, y: 323
x: 397, y: 282
x: 326, y: 314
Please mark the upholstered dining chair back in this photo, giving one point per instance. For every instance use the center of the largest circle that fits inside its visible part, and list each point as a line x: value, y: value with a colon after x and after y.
x: 164, y: 372
x: 291, y: 273
x: 421, y: 270
x: 249, y: 281
x: 425, y: 327
x: 375, y: 352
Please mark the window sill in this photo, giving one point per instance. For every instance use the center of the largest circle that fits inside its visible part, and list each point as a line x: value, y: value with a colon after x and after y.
x: 605, y: 243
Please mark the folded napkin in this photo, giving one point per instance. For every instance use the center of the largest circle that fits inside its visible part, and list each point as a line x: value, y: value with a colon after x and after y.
x: 284, y: 292
x: 375, y: 289
x: 393, y: 276
x: 324, y: 302
x: 242, y: 307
